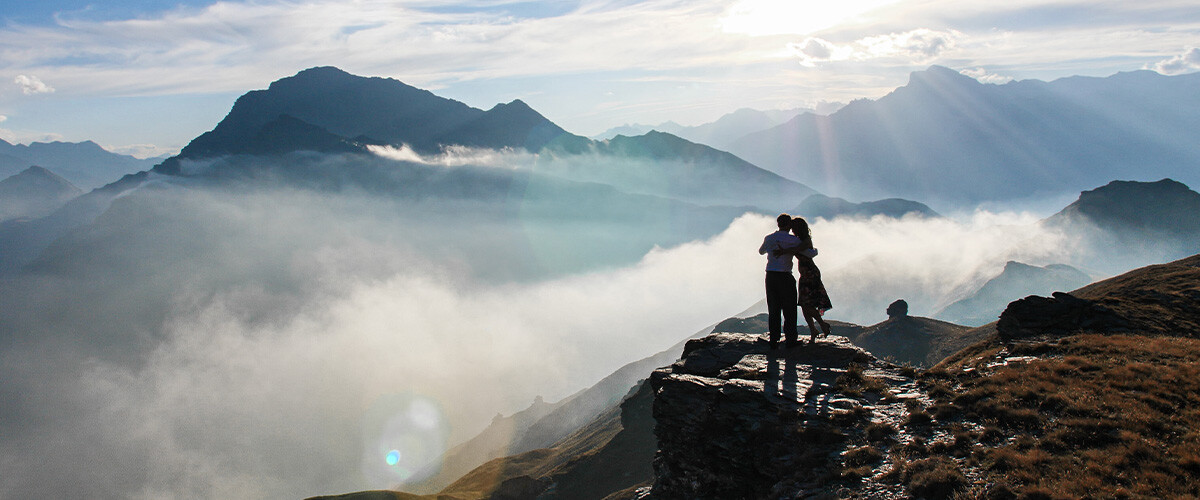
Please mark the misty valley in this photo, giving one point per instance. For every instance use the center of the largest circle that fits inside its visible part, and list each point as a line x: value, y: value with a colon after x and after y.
x: 351, y: 284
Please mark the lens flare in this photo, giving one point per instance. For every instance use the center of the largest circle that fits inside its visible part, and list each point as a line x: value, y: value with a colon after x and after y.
x: 410, y: 432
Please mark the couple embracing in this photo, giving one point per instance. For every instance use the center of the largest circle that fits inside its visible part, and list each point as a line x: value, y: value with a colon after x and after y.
x: 783, y: 292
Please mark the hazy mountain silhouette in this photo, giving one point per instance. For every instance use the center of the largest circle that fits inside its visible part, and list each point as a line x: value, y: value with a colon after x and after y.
x: 365, y: 110
x: 947, y: 137
x: 512, y: 125
x: 21, y: 241
x: 720, y: 133
x: 819, y: 205
x: 84, y: 164
x: 1016, y: 281
x: 33, y: 193
x: 327, y: 110
x: 666, y: 165
x: 1150, y: 210
x: 1130, y: 221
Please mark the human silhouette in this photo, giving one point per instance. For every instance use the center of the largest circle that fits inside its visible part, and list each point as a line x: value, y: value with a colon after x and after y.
x: 810, y: 291
x: 779, y: 247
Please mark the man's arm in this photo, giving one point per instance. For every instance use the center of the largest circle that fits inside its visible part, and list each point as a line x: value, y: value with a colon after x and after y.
x: 797, y: 251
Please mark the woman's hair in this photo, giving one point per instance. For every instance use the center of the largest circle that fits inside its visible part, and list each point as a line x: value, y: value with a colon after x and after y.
x: 800, y: 227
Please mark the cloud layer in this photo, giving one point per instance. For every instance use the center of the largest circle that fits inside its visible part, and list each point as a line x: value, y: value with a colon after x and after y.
x: 592, y: 64
x: 919, y: 46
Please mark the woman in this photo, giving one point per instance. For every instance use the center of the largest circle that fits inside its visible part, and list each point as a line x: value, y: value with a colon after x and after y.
x: 810, y: 292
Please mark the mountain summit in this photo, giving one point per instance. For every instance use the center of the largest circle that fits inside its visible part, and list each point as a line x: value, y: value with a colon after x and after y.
x: 331, y: 103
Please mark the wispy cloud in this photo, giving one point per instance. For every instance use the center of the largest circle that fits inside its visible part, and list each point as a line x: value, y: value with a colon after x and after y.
x: 142, y: 151
x: 31, y: 85
x: 919, y: 46
x: 1184, y: 63
x: 233, y: 46
x: 25, y: 136
x: 984, y: 76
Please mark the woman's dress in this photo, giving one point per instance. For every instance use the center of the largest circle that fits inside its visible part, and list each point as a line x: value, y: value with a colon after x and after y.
x: 809, y: 289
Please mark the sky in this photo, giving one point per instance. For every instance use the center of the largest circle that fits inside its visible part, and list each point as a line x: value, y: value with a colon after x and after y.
x: 144, y: 77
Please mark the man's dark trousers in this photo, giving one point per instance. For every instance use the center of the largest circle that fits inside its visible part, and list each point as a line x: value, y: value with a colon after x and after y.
x: 781, y: 305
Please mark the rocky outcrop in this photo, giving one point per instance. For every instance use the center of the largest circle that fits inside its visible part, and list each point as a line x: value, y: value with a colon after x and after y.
x: 1059, y: 315
x: 735, y: 419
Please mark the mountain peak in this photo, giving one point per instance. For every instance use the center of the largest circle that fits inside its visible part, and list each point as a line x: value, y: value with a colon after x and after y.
x: 512, y: 124
x: 513, y: 104
x: 939, y: 75
x: 34, y: 192
x: 1165, y: 205
x: 319, y: 75
x: 40, y: 175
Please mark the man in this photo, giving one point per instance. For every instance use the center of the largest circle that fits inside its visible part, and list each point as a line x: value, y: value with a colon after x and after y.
x: 781, y: 287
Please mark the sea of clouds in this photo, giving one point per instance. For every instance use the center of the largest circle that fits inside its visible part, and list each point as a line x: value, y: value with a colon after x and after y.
x: 284, y: 343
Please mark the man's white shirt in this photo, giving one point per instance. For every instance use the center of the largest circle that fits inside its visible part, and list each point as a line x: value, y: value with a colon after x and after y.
x: 781, y: 240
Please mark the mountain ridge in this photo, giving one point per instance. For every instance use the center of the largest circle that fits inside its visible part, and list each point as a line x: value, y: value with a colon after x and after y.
x: 945, y: 137
x: 85, y: 164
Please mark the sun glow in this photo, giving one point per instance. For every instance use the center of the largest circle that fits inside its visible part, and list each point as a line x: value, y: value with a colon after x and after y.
x: 791, y: 17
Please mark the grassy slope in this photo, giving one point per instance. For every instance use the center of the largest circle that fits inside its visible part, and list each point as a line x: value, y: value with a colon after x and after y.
x: 1091, y: 414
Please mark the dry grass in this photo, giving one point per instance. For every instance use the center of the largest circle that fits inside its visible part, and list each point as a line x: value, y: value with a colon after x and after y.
x: 1094, y: 416
x: 855, y: 382
x: 934, y: 478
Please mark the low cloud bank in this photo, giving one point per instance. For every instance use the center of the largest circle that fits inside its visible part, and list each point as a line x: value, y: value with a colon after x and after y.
x: 312, y: 343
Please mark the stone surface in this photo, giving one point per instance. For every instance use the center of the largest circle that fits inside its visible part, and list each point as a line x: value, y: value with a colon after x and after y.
x: 735, y: 419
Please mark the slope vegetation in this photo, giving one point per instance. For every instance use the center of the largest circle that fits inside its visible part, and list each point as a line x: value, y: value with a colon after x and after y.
x: 1092, y: 394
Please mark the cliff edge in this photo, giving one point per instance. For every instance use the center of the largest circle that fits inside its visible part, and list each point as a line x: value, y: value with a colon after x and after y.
x: 735, y: 419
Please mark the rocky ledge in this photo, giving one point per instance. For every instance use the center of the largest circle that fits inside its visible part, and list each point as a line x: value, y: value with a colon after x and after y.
x: 735, y: 419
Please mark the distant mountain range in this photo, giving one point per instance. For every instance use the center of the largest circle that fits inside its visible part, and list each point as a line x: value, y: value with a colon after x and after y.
x: 947, y: 138
x: 819, y: 205
x: 327, y: 110
x: 84, y: 164
x: 1016, y: 281
x: 725, y: 130
x: 34, y: 192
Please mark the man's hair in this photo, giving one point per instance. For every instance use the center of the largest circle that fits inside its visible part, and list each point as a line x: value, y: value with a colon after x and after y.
x: 784, y: 220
